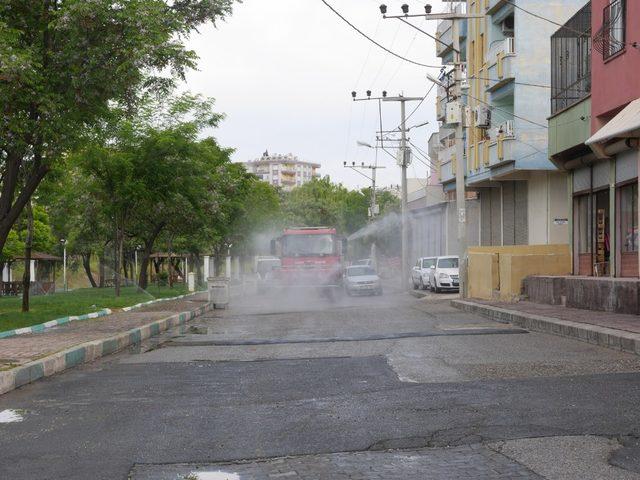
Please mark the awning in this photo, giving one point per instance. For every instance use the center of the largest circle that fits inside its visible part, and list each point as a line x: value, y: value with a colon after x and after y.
x: 625, y: 124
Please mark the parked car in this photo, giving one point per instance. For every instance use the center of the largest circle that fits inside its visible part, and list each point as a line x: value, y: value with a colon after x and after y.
x: 364, y: 261
x: 420, y: 272
x: 362, y: 279
x: 444, y: 275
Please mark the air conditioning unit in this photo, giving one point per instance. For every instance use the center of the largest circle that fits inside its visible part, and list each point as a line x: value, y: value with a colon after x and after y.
x: 507, y: 27
x: 453, y: 113
x: 482, y: 116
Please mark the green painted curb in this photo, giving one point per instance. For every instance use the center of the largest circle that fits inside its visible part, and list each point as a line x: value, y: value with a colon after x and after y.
x: 87, y: 352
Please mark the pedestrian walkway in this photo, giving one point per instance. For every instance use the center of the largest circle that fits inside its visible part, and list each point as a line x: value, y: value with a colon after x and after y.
x: 25, y: 358
x: 612, y: 330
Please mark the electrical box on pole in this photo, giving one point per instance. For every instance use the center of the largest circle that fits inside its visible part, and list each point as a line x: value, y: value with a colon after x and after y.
x: 453, y: 114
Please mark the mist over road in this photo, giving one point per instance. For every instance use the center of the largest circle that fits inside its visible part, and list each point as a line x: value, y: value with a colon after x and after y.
x: 358, y: 387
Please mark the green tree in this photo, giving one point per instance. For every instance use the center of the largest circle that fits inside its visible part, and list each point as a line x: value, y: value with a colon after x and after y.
x: 64, y: 63
x: 321, y: 202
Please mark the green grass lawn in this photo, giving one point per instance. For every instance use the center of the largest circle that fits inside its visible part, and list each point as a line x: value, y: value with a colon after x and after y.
x: 76, y: 302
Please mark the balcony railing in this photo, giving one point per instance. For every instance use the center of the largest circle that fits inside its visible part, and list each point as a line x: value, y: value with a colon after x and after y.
x: 571, y: 61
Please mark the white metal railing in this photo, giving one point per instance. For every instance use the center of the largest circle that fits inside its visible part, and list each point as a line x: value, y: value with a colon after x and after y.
x: 509, y: 46
x: 505, y: 128
x: 506, y: 46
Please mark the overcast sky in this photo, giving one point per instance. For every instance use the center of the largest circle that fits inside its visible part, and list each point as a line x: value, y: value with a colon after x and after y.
x: 282, y: 72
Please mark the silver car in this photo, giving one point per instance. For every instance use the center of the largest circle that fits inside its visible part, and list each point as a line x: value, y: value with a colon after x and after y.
x: 362, y: 280
x: 444, y: 274
x: 420, y: 272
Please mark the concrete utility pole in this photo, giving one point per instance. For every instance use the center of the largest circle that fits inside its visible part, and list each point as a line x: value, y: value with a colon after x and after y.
x: 404, y: 163
x: 461, y: 200
x: 455, y: 18
x: 373, y: 209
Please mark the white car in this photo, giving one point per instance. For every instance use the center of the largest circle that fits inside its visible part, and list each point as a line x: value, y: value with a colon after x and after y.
x: 361, y: 279
x: 420, y: 272
x: 444, y: 275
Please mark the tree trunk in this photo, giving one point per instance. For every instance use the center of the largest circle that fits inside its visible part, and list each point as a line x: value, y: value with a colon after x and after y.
x: 143, y: 279
x: 170, y: 263
x: 101, y: 269
x: 125, y: 269
x: 26, y: 278
x: 117, y: 247
x: 86, y: 263
x: 13, y: 200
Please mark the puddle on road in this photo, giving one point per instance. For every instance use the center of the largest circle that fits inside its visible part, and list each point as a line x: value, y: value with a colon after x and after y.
x: 10, y: 416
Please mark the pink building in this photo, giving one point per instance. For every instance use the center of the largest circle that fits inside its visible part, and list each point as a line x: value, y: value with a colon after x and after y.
x: 615, y: 61
x: 606, y: 209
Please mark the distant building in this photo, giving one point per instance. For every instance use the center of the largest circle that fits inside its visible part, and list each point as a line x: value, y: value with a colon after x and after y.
x: 285, y: 171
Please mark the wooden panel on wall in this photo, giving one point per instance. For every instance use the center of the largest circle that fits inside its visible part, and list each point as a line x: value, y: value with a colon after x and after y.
x: 585, y: 264
x: 629, y: 264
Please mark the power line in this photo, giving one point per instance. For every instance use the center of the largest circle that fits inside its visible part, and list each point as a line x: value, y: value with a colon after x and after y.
x: 416, y: 107
x: 374, y: 42
x: 527, y: 84
x: 493, y: 107
x: 533, y: 14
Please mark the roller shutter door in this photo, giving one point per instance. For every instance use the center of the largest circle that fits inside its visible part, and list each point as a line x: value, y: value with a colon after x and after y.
x: 508, y: 213
x: 514, y: 213
x: 521, y: 213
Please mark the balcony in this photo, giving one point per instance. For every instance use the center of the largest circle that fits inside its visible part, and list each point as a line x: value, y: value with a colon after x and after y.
x: 444, y: 33
x: 447, y: 160
x: 500, y: 144
x: 493, y: 6
x: 569, y: 129
x: 500, y: 62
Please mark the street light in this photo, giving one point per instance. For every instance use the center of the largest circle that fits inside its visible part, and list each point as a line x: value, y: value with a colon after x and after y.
x: 63, y: 241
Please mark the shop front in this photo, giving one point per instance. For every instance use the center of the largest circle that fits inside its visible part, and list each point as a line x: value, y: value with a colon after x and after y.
x: 605, y: 200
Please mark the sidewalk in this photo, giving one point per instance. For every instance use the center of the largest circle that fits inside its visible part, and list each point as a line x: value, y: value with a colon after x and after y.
x: 26, y: 358
x: 611, y: 330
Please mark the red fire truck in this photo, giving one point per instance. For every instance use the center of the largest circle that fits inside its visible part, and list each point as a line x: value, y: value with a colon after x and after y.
x: 309, y: 257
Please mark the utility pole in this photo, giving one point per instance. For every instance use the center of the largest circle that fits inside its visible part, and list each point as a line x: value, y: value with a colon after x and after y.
x: 373, y: 210
x: 461, y: 200
x: 455, y: 18
x: 403, y: 162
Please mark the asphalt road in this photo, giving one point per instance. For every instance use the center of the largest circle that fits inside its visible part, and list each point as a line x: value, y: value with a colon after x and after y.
x: 299, y: 386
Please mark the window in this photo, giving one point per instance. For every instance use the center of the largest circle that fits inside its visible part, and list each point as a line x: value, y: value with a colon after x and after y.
x: 428, y: 262
x: 629, y: 218
x: 583, y: 223
x: 613, y: 28
x: 451, y: 262
x: 308, y: 245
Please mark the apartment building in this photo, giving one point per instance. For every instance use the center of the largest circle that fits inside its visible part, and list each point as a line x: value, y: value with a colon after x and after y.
x: 285, y: 171
x: 594, y: 132
x: 521, y: 193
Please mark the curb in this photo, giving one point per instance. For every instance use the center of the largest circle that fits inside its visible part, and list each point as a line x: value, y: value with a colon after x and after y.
x: 158, y: 300
x: 87, y: 316
x: 417, y: 293
x: 602, y: 336
x: 90, y: 351
x: 54, y: 323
